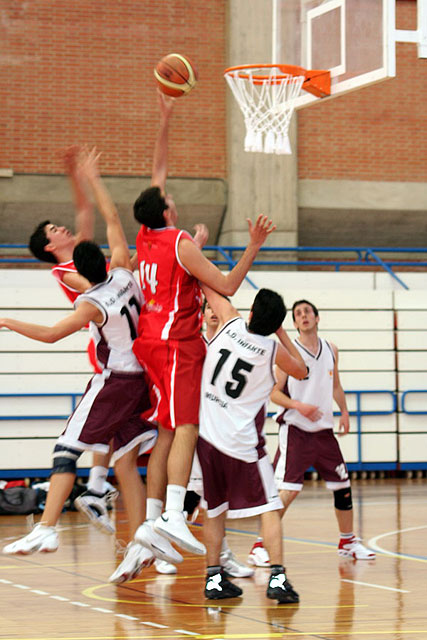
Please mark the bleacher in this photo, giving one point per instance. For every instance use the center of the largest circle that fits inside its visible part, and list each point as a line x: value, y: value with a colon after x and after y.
x: 379, y: 330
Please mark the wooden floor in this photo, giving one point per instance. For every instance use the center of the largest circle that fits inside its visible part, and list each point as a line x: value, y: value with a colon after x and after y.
x: 66, y: 595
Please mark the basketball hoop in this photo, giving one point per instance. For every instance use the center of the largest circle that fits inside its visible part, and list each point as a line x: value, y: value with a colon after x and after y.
x: 266, y: 95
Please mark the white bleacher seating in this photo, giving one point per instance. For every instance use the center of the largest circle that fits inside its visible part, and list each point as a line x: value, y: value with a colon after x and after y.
x: 360, y: 321
x: 411, y: 340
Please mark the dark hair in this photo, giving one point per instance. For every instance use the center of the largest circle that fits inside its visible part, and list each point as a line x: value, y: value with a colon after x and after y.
x: 268, y: 312
x: 90, y: 261
x: 298, y: 302
x: 148, y: 208
x: 37, y: 243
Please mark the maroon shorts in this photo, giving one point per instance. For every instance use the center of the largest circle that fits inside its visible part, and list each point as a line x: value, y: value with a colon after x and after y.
x: 110, y: 409
x: 299, y: 450
x: 175, y: 368
x: 255, y: 491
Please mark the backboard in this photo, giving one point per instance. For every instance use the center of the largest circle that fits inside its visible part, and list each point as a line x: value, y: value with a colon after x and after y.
x: 354, y: 39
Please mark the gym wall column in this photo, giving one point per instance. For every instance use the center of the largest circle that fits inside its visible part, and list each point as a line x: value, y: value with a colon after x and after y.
x: 258, y: 183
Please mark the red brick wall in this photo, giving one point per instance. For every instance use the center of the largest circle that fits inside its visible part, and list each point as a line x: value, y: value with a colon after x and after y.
x: 81, y: 71
x: 377, y: 133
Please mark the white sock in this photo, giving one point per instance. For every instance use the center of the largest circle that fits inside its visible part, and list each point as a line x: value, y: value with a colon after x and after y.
x: 346, y: 536
x: 154, y: 508
x: 97, y: 477
x: 224, y: 545
x: 175, y: 496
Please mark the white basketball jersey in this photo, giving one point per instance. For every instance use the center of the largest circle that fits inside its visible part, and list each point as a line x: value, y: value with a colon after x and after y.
x: 317, y: 388
x: 119, y: 299
x: 236, y: 382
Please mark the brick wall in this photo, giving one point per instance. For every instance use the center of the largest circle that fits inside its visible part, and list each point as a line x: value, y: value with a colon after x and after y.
x: 81, y: 71
x: 376, y: 133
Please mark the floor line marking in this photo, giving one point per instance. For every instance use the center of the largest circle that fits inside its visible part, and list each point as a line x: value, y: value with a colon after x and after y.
x: 80, y: 604
x: 188, y: 633
x: 123, y: 615
x: 60, y: 598
x: 40, y: 592
x: 101, y: 610
x: 155, y: 624
x: 20, y: 586
x: 374, y: 545
x: 376, y: 586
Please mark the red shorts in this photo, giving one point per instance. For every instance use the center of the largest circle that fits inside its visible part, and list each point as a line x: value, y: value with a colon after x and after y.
x: 299, y: 450
x: 175, y: 369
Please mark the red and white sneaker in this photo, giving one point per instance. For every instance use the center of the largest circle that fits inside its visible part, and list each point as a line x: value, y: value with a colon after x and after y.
x: 258, y: 555
x: 353, y: 548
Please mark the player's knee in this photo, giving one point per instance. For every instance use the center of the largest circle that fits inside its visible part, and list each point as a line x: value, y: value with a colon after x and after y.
x: 64, y: 459
x: 342, y: 499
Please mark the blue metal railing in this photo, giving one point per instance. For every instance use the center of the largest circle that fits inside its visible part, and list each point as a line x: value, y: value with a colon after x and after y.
x: 358, y: 412
x: 405, y: 394
x: 358, y: 257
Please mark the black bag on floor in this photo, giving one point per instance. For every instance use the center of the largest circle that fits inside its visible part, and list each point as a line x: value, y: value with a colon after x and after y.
x: 18, y: 500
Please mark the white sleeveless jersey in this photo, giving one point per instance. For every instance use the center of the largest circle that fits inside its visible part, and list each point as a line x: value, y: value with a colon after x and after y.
x: 119, y: 299
x: 317, y: 388
x: 237, y: 380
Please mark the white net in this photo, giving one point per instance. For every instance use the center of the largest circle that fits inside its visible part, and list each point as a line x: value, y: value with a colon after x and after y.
x: 266, y: 97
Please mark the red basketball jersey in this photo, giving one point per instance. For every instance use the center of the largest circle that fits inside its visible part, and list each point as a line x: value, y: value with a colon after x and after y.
x: 58, y: 271
x: 172, y: 294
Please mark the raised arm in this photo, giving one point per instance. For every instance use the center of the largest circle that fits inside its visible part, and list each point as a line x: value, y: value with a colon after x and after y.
x: 221, y: 307
x: 72, y: 323
x: 288, y: 358
x: 225, y: 283
x: 116, y: 238
x: 84, y: 217
x: 159, y: 170
x: 339, y: 397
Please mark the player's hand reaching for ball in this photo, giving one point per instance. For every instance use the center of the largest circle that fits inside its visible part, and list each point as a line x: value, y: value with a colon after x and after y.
x: 89, y: 163
x: 260, y: 230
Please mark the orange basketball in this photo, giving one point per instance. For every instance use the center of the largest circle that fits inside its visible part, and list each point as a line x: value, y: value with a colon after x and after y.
x: 176, y: 75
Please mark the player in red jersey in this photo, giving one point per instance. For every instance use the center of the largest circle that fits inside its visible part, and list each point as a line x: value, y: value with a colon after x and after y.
x: 169, y: 343
x: 55, y: 244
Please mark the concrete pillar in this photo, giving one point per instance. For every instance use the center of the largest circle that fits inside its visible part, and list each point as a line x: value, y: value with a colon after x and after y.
x: 258, y: 183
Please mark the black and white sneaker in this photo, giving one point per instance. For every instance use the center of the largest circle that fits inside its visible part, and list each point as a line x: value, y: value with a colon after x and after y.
x: 280, y: 589
x: 218, y: 587
x: 95, y: 507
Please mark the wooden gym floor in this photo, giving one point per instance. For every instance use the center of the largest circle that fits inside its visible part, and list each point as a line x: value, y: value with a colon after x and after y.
x: 66, y: 595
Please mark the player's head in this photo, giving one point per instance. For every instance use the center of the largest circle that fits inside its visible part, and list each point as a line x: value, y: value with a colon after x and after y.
x: 90, y: 261
x: 267, y: 313
x: 155, y: 210
x: 305, y: 315
x: 211, y: 320
x: 48, y: 239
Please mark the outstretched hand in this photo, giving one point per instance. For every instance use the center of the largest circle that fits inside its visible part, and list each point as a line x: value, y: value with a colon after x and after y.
x: 89, y: 162
x: 166, y: 103
x: 202, y: 234
x: 261, y: 229
x: 70, y: 158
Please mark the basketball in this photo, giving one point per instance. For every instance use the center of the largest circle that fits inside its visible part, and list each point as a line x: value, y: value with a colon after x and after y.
x: 176, y: 75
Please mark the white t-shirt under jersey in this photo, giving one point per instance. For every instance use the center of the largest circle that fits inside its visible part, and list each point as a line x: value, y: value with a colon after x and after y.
x: 119, y: 299
x: 317, y: 388
x: 237, y: 380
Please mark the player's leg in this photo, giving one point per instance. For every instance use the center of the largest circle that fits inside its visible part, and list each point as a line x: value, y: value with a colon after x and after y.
x: 132, y: 489
x: 100, y: 496
x: 293, y: 457
x: 185, y: 362
x: 331, y: 466
x: 217, y: 586
x: 43, y: 537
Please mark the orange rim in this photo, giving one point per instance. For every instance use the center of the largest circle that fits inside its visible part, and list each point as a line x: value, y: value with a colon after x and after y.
x: 317, y: 82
